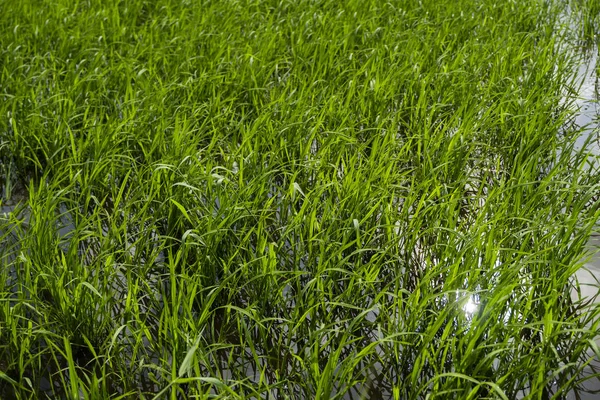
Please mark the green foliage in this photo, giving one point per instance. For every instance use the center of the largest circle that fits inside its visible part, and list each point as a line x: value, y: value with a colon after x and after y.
x: 291, y: 199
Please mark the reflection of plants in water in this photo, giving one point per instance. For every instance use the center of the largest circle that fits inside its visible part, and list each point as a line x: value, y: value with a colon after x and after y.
x: 320, y: 215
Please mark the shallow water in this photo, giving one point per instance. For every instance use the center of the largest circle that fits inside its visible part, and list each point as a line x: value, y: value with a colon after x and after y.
x: 588, y: 117
x: 588, y: 101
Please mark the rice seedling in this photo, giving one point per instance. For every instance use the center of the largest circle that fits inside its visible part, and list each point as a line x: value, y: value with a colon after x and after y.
x: 587, y: 20
x: 307, y: 199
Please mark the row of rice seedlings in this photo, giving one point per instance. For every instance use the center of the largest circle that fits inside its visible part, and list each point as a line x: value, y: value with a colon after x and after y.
x: 587, y: 20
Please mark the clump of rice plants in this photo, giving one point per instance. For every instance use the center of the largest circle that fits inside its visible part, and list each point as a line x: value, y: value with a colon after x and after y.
x: 586, y: 20
x: 292, y: 199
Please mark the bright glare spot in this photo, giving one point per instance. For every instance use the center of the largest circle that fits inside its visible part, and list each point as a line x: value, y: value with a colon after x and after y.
x: 470, y: 307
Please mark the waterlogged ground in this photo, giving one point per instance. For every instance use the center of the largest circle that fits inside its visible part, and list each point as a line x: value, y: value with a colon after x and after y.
x: 588, y: 117
x: 256, y: 199
x: 587, y: 101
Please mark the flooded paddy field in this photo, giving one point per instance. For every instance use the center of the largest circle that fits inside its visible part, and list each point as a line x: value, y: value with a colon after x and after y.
x: 297, y: 200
